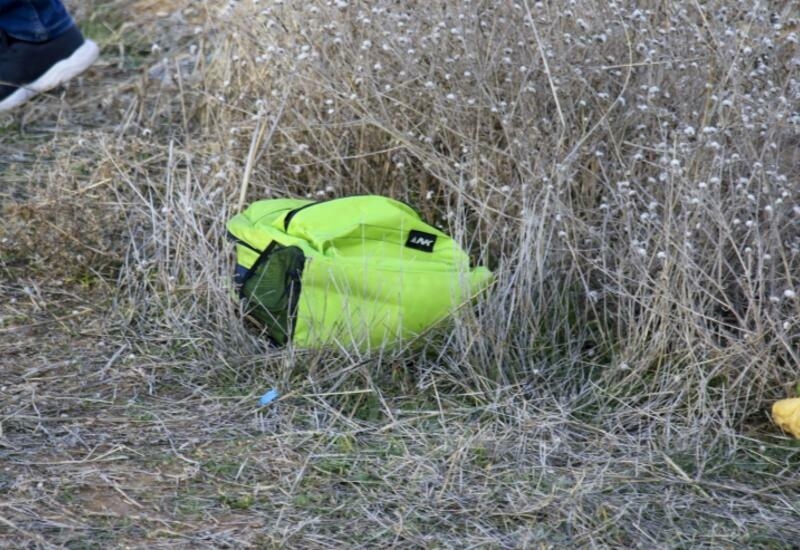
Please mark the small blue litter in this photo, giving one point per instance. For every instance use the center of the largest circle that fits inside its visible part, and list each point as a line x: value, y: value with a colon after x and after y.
x: 268, y: 397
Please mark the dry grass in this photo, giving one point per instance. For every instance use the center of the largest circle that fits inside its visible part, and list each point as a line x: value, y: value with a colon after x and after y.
x: 631, y: 175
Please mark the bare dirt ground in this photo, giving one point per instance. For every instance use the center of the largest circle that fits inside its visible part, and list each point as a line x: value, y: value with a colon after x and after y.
x: 603, y: 396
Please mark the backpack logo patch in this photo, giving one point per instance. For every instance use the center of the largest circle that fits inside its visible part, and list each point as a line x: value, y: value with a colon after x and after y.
x: 420, y: 240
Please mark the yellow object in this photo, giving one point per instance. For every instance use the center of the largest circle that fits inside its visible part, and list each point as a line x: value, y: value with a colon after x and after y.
x: 786, y: 414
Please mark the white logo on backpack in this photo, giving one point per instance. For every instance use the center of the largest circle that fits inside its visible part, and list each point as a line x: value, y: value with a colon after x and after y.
x: 422, y: 241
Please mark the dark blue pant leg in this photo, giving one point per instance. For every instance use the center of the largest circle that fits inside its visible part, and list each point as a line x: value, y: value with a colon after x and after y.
x: 34, y: 20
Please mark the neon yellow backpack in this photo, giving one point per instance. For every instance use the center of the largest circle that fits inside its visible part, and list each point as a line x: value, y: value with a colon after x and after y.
x: 360, y: 271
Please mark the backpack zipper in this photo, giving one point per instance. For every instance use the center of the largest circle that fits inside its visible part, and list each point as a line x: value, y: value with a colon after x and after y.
x: 293, y: 213
x: 245, y: 244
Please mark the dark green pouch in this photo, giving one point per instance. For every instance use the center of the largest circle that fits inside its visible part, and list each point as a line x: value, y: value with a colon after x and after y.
x: 271, y: 288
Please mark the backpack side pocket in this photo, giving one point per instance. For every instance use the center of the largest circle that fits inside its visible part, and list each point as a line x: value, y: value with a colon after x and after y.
x: 271, y: 289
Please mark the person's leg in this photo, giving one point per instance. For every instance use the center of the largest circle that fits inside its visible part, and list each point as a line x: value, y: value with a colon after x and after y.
x: 40, y: 48
x: 34, y: 20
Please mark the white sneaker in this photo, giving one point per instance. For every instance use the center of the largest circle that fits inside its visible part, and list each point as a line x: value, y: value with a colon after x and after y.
x: 29, y: 68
